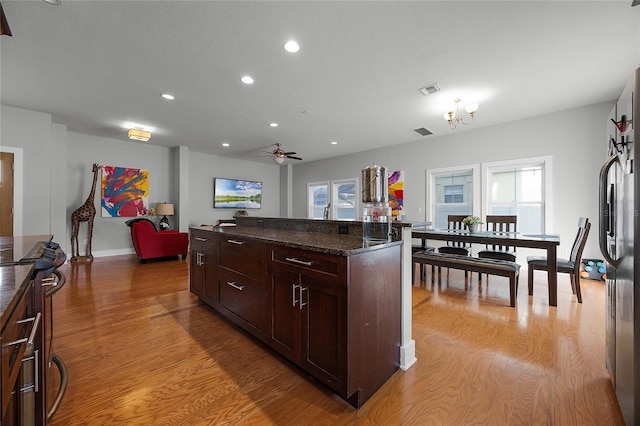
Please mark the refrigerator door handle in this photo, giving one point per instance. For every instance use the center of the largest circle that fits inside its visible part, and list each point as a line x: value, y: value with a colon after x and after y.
x: 605, y: 210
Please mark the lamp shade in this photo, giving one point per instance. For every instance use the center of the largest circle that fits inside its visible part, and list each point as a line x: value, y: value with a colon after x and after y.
x: 164, y: 209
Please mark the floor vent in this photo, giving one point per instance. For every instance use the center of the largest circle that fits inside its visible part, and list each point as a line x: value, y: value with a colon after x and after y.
x: 423, y: 131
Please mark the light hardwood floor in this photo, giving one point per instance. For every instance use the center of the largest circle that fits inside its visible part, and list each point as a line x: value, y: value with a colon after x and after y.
x: 141, y: 350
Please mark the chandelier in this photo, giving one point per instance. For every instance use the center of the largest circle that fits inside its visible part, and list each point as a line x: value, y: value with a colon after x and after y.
x: 454, y: 118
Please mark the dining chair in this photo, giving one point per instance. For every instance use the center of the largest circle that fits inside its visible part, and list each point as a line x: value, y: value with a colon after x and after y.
x: 571, y: 266
x: 454, y: 223
x: 500, y: 224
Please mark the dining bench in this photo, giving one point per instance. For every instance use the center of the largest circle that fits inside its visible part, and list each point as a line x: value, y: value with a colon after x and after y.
x: 503, y: 268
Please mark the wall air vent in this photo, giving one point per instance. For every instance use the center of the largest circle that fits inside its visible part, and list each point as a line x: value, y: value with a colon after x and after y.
x: 429, y: 90
x: 423, y: 131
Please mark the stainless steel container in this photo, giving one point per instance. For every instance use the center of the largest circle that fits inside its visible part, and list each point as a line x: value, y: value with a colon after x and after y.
x: 375, y: 184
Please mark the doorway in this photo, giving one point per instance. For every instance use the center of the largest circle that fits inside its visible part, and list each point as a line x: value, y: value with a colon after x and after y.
x: 6, y: 194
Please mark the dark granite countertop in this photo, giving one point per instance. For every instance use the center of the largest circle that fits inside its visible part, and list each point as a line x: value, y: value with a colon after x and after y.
x: 336, y: 244
x: 14, y: 280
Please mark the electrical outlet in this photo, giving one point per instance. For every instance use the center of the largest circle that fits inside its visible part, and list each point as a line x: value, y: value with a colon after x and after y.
x: 419, y: 209
x: 343, y: 229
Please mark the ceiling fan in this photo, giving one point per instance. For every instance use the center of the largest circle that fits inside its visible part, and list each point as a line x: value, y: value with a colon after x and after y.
x: 278, y: 155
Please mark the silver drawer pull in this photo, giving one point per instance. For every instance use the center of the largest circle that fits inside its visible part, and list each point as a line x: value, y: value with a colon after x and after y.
x: 235, y: 285
x: 301, y: 262
x: 17, y: 342
x: 200, y: 239
x: 45, y: 282
x: 236, y: 242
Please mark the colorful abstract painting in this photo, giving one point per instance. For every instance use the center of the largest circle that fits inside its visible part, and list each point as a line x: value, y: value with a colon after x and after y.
x: 125, y: 192
x: 396, y: 194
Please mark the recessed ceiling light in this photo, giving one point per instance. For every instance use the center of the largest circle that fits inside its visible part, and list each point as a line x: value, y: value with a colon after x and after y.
x: 334, y: 143
x: 168, y: 96
x: 225, y: 144
x: 247, y: 79
x: 273, y: 124
x: 291, y: 46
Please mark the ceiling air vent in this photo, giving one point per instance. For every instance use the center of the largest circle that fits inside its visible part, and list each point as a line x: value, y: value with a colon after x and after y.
x: 423, y: 131
x: 429, y: 90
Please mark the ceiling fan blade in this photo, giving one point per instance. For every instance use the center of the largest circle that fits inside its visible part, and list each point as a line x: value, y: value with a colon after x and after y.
x: 294, y: 158
x: 289, y: 153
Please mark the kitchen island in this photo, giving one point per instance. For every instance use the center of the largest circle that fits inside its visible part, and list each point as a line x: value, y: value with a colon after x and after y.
x: 310, y: 290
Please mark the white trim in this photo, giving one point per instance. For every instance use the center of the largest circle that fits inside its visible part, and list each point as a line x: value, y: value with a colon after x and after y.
x: 547, y: 196
x: 333, y: 193
x: 310, y: 195
x: 18, y: 187
x: 430, y: 188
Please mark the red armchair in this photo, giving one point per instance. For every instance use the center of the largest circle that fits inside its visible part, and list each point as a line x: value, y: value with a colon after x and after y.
x: 151, y: 244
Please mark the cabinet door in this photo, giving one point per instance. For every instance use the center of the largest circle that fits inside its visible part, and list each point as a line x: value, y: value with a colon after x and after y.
x: 211, y: 285
x: 323, y: 325
x: 196, y: 271
x: 285, y: 313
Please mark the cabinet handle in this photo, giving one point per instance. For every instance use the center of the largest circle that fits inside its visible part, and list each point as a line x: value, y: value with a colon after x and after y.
x: 302, y: 289
x: 45, y: 282
x: 293, y: 293
x: 200, y: 259
x: 235, y: 285
x: 201, y: 239
x: 32, y: 334
x: 301, y: 262
x: 236, y: 242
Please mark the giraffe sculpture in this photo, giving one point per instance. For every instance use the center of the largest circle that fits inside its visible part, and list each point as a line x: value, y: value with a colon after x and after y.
x: 84, y: 213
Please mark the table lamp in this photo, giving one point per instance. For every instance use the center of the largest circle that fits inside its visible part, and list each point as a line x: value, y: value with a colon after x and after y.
x: 164, y: 209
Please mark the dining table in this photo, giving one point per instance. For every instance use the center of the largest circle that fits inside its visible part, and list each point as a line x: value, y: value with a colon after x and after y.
x: 548, y: 242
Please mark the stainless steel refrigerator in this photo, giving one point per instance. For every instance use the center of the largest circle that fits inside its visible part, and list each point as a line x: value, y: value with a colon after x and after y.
x: 619, y: 229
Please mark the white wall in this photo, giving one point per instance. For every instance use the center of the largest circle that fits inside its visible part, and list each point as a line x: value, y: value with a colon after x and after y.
x: 203, y: 168
x: 31, y: 131
x: 110, y: 234
x: 576, y: 139
x: 57, y: 179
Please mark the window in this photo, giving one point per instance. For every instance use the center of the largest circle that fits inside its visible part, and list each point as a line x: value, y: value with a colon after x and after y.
x: 453, y: 190
x: 453, y: 194
x: 343, y: 196
x: 318, y: 194
x: 344, y: 203
x: 519, y: 187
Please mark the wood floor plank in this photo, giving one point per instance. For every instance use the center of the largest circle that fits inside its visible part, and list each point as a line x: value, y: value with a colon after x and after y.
x: 141, y: 349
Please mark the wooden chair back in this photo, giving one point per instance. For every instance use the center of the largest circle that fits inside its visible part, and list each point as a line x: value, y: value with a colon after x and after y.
x: 581, y: 240
x: 501, y: 224
x: 454, y: 222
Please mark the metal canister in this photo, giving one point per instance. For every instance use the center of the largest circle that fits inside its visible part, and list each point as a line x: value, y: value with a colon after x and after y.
x: 375, y: 184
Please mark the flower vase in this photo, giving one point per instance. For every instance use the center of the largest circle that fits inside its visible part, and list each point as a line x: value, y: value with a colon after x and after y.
x: 473, y: 228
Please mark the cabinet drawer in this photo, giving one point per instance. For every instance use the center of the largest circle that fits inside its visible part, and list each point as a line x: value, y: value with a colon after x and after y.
x: 200, y: 239
x: 243, y: 256
x: 307, y: 260
x: 14, y: 342
x: 243, y: 299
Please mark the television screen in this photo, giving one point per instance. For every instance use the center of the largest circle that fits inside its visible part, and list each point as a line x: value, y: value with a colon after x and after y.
x: 236, y: 194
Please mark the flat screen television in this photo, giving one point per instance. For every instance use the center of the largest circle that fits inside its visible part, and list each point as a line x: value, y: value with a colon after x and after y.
x: 236, y: 194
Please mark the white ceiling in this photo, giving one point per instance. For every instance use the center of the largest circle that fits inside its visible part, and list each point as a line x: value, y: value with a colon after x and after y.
x: 96, y: 65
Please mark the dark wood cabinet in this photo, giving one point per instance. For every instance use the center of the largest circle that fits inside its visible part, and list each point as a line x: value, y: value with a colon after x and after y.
x: 308, y: 317
x: 204, y: 267
x: 336, y: 316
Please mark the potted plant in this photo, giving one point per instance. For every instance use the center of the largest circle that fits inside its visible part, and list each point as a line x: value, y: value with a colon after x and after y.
x: 472, y: 222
